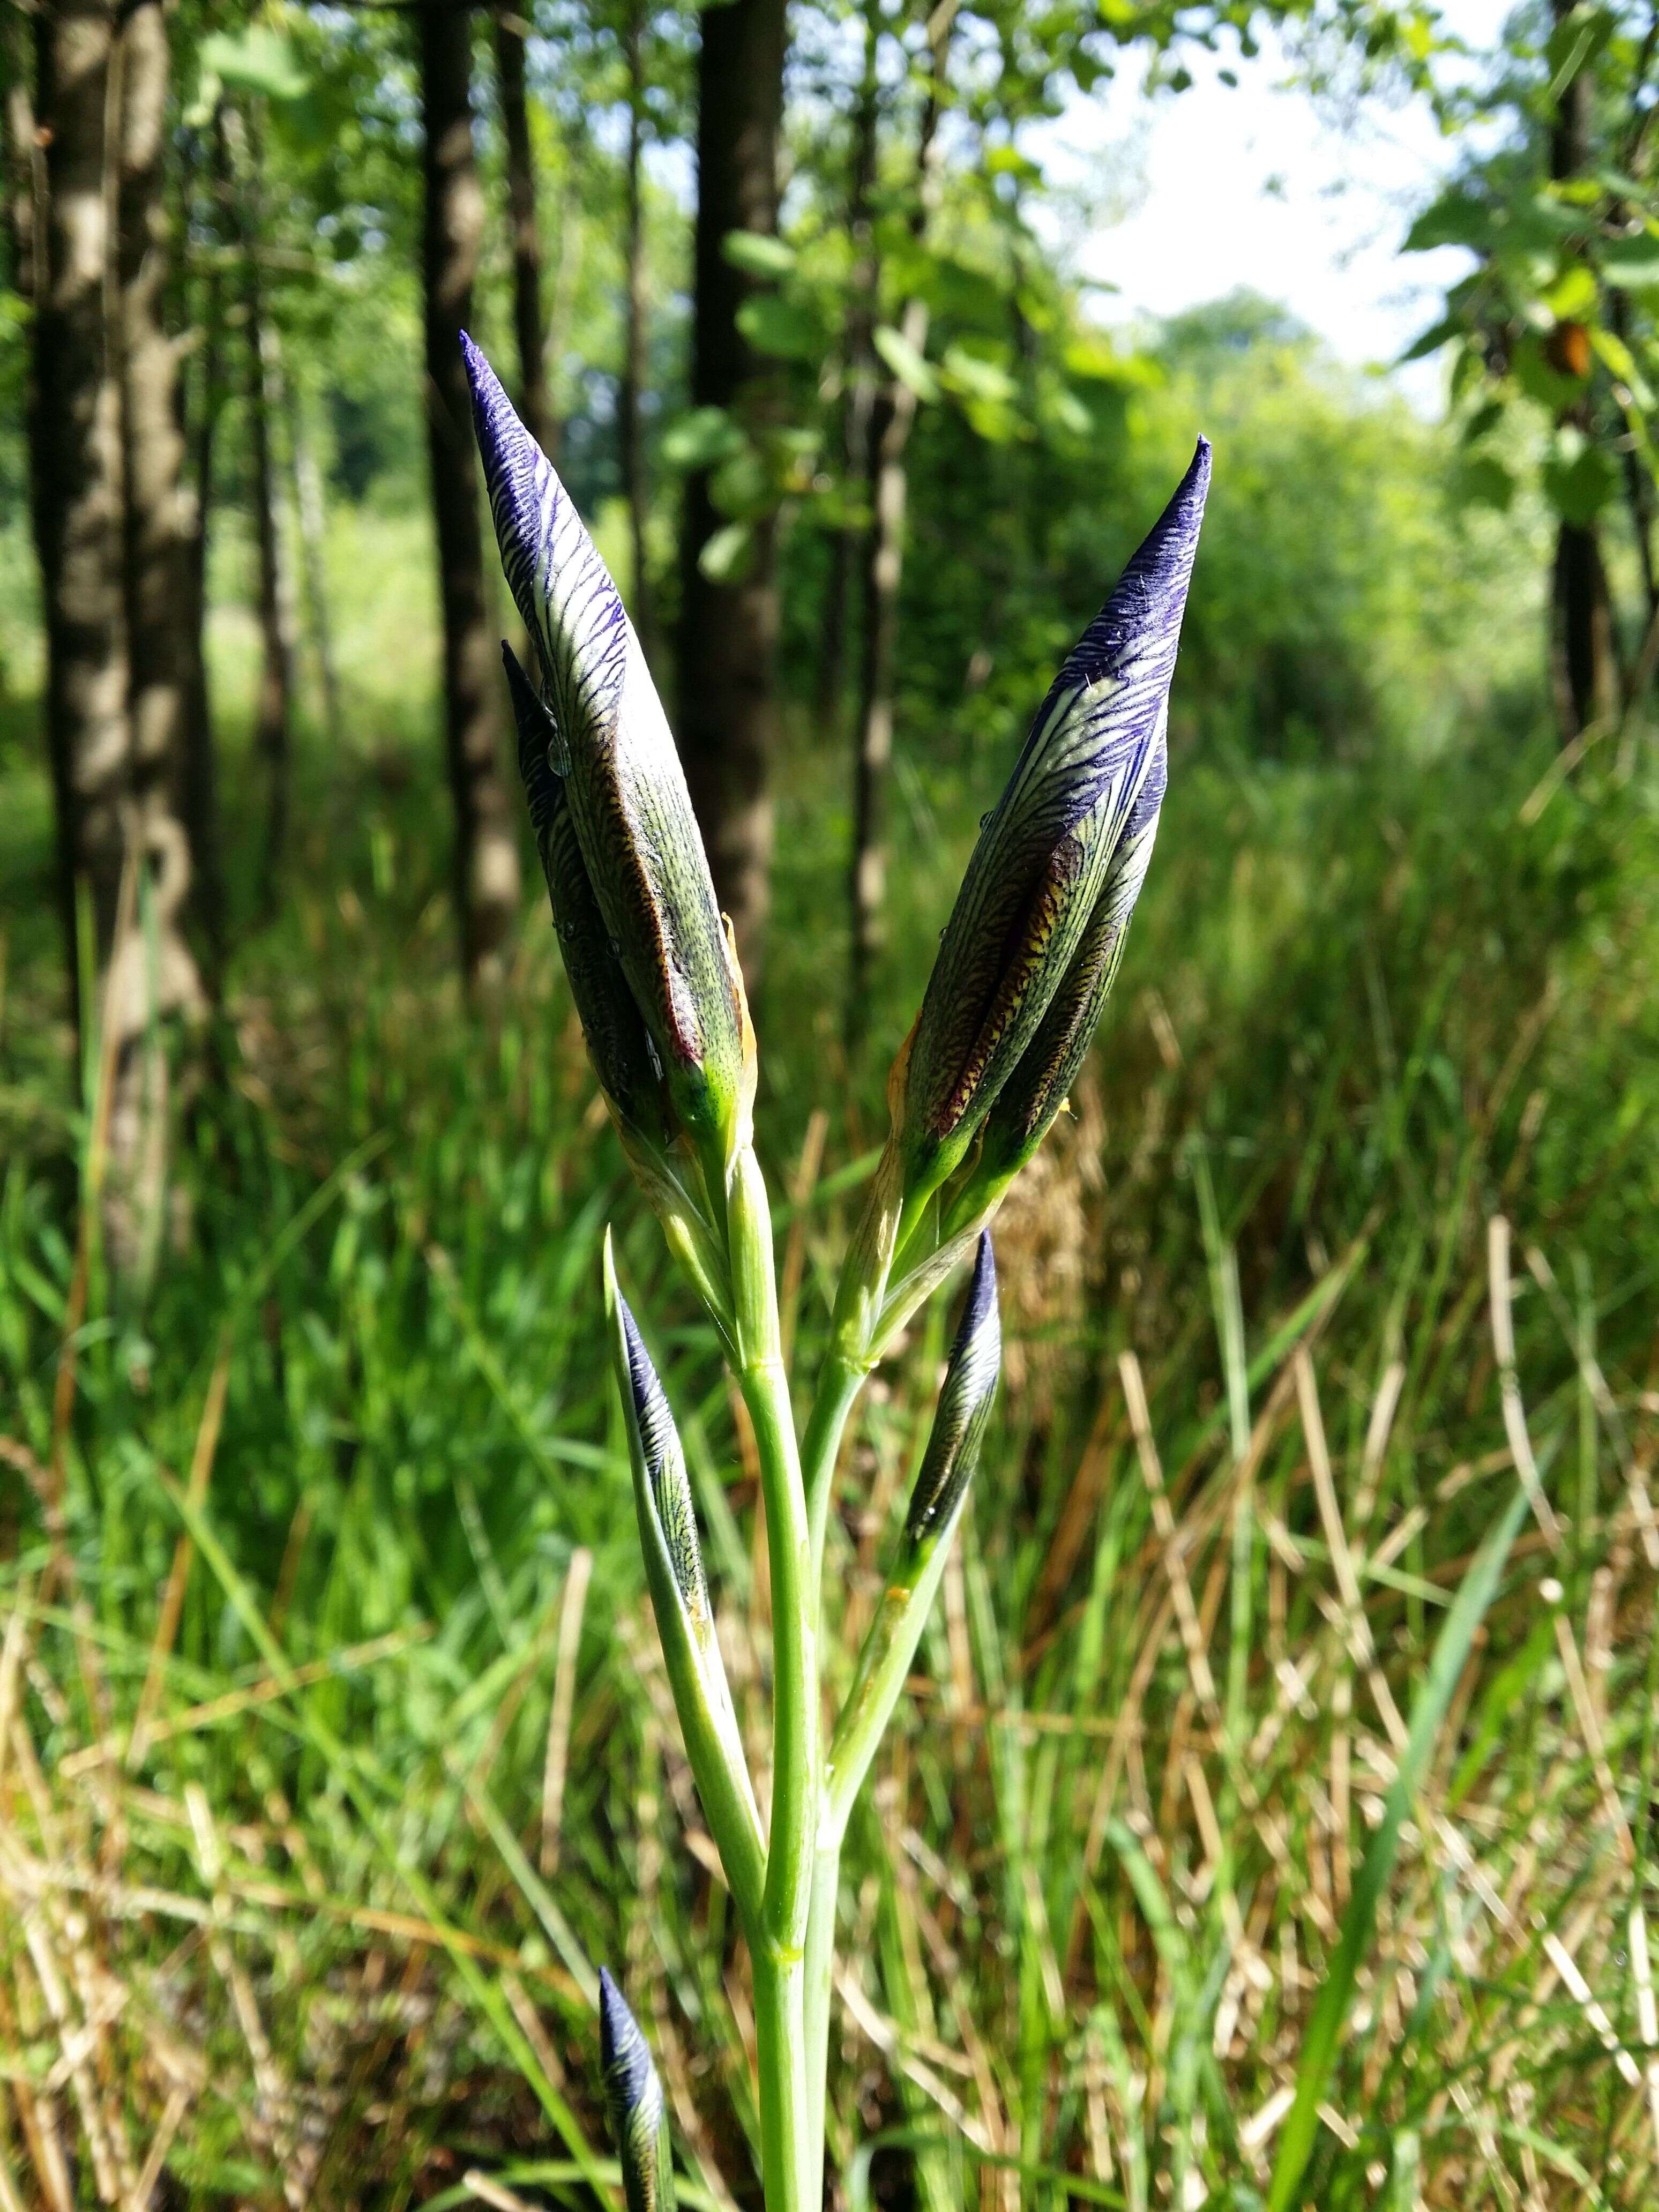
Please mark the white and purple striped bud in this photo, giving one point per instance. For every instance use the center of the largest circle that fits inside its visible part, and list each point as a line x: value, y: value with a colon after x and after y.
x: 623, y: 1054
x: 634, y: 2104
x: 629, y: 804
x: 964, y: 1407
x: 1046, y: 855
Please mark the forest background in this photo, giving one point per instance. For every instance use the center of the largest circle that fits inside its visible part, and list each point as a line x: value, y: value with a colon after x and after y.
x: 335, y: 1753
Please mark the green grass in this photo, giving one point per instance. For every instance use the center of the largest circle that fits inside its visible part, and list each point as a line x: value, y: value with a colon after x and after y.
x: 333, y: 1927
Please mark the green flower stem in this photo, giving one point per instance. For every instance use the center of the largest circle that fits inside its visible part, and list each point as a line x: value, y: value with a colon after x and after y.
x: 820, y: 1969
x: 883, y: 1669
x: 765, y: 1389
x: 784, y: 2104
x: 840, y: 1380
x: 890, y: 1646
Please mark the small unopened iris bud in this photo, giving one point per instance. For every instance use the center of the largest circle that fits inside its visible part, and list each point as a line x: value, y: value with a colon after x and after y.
x: 1047, y: 852
x: 964, y: 1407
x: 624, y: 1056
x: 634, y: 2104
x: 628, y: 800
x: 661, y: 1458
x: 680, y: 1599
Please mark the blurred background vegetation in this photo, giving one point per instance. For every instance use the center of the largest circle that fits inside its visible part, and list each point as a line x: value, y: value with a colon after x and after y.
x: 335, y: 1753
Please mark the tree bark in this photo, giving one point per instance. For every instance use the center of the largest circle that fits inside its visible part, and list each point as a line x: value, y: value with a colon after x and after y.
x: 274, y: 714
x: 729, y: 630
x: 310, y: 506
x: 631, y: 425
x: 20, y: 149
x: 529, y: 324
x: 157, y: 544
x: 486, y: 851
x: 891, y: 424
x: 201, y: 768
x: 858, y: 375
x: 1584, y: 664
x: 75, y: 451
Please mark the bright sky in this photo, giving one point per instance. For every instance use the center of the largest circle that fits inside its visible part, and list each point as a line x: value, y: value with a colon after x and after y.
x: 1251, y: 186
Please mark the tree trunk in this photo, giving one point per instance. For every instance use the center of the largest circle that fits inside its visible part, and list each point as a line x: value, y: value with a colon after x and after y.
x: 201, y: 771
x: 76, y: 472
x: 729, y: 630
x: 1583, y: 665
x: 858, y: 375
x: 486, y: 851
x: 311, y: 507
x: 274, y: 715
x: 158, y: 520
x: 1586, y: 672
x: 883, y: 567
x: 20, y: 149
x: 530, y: 327
x: 631, y: 424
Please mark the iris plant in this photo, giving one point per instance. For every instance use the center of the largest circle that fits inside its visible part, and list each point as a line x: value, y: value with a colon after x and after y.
x: 1024, y: 968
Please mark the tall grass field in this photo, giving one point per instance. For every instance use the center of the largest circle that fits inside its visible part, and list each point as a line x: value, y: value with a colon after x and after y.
x: 1273, y: 1820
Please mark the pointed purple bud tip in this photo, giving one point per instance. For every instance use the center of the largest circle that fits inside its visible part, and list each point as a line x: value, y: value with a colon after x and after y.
x: 623, y: 2050
x: 979, y: 1307
x: 658, y: 1436
x: 633, y: 2098
x: 1146, y: 608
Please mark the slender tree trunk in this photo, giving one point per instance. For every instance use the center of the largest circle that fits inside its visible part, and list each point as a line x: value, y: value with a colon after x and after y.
x: 158, y: 518
x: 24, y: 169
x: 274, y: 715
x: 529, y: 324
x: 486, y: 852
x: 76, y: 470
x: 858, y: 374
x: 311, y: 507
x: 882, y: 568
x: 632, y: 425
x: 153, y: 974
x: 201, y: 771
x: 1584, y: 667
x: 728, y: 715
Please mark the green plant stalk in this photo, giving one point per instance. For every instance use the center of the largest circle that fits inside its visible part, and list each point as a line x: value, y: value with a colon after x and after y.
x: 890, y: 1646
x: 781, y: 2063
x: 779, y: 1964
x: 839, y: 1381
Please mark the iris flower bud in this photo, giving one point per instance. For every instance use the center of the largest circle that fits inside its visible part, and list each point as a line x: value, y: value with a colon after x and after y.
x: 629, y: 804
x: 1019, y: 1118
x: 620, y: 1046
x: 1047, y: 852
x: 633, y: 2103
x: 964, y: 1407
